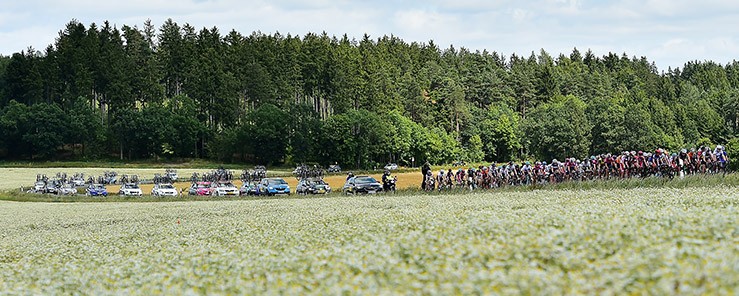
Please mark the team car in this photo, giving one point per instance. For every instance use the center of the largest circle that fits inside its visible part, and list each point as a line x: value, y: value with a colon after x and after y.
x: 362, y: 184
x: 171, y: 175
x: 164, y: 189
x: 96, y: 190
x: 200, y: 188
x: 53, y: 186
x: 78, y: 181
x: 225, y: 188
x: 67, y: 189
x: 249, y: 188
x: 307, y: 186
x: 38, y: 187
x: 272, y: 186
x: 130, y: 189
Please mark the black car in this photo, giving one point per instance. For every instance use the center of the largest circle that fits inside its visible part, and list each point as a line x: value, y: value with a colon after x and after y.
x: 362, y: 184
x: 307, y: 186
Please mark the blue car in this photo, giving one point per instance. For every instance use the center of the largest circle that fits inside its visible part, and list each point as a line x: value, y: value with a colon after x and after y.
x: 96, y: 190
x: 272, y: 186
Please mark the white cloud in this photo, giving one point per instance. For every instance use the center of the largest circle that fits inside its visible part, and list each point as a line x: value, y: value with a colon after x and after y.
x: 520, y: 15
x: 668, y: 32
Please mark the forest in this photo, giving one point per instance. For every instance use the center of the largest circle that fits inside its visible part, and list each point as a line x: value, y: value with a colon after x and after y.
x: 176, y: 92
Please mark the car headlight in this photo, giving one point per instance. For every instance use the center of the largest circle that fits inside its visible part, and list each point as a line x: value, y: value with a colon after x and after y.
x: 270, y: 188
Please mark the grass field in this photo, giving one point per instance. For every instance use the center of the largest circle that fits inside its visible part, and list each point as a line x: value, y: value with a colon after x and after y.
x: 636, y: 241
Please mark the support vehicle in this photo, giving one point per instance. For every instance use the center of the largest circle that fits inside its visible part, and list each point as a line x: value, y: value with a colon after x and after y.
x: 96, y: 190
x: 164, y: 189
x: 273, y: 186
x: 362, y: 185
x: 130, y: 189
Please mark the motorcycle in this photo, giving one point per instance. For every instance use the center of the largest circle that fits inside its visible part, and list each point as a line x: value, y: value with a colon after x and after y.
x: 389, y: 184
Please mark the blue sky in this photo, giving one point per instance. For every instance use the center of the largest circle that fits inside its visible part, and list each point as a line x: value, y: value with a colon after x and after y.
x: 668, y: 32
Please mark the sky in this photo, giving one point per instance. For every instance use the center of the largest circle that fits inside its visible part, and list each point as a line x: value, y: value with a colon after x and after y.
x: 668, y: 32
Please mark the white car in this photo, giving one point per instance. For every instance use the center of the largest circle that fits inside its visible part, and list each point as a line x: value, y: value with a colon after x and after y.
x: 391, y: 166
x: 171, y: 174
x: 226, y: 188
x: 67, y: 189
x: 130, y: 189
x: 165, y: 189
x: 38, y: 187
x: 79, y: 182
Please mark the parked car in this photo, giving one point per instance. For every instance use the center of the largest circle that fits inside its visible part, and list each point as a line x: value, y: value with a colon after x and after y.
x: 38, y: 187
x: 249, y: 188
x: 361, y: 184
x: 200, y: 188
x: 52, y: 187
x: 171, y: 174
x: 391, y: 166
x: 307, y: 186
x: 67, y: 189
x: 78, y: 182
x: 96, y: 190
x: 272, y: 186
x: 334, y: 168
x: 225, y: 188
x: 130, y: 189
x: 164, y: 189
x: 110, y: 177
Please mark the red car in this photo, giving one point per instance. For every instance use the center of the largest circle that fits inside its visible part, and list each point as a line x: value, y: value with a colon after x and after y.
x: 201, y: 189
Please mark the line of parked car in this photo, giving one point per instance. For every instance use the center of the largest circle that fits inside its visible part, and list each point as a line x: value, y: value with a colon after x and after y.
x: 267, y: 186
x: 126, y: 189
x: 263, y: 187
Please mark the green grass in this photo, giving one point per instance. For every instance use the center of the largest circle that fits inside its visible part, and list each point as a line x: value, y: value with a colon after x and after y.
x: 16, y: 196
x: 656, y: 241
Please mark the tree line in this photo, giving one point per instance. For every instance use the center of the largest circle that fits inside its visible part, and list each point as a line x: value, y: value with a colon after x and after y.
x: 177, y: 92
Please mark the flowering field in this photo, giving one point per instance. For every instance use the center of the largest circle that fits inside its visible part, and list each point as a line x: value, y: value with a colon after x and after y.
x: 639, y: 241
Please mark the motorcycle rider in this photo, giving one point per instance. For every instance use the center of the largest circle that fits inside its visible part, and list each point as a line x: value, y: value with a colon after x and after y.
x: 387, y: 182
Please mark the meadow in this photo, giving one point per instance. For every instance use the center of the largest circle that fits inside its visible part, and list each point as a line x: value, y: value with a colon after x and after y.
x: 608, y: 242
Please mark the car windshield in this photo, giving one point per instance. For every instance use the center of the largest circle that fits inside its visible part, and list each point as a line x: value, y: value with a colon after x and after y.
x: 131, y: 186
x: 365, y: 180
x: 166, y: 186
x: 225, y: 185
x: 276, y: 182
x: 98, y: 186
x: 203, y: 185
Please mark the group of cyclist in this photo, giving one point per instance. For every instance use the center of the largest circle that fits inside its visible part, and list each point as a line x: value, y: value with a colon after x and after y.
x: 627, y: 164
